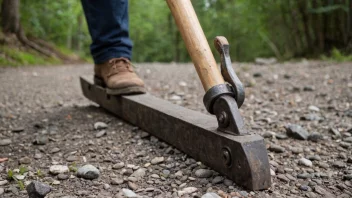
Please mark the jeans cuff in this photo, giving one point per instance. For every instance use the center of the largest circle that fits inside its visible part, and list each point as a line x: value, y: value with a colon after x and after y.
x: 112, y: 53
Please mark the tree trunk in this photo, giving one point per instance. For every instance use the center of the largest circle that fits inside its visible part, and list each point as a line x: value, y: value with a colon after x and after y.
x: 10, y: 16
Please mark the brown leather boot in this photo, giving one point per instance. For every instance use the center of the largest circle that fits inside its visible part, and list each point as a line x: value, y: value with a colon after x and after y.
x: 118, y: 77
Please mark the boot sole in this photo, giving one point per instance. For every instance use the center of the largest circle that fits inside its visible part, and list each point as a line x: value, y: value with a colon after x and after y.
x: 122, y: 91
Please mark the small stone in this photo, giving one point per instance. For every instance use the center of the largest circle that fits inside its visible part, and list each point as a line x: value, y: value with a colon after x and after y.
x: 116, y: 181
x: 157, y: 160
x: 88, y: 172
x: 165, y: 173
x: 276, y: 148
x: 54, y: 150
x: 72, y: 158
x: 349, y: 160
x: 311, y: 117
x: 100, y: 134
x: 41, y: 140
x: 118, y: 165
x: 139, y: 173
x: 308, y: 88
x: 132, y: 185
x: 315, y: 137
x: 322, y: 191
x: 100, y: 125
x: 17, y: 130
x: 210, y: 195
x: 345, y: 145
x: 335, y: 132
x: 203, y: 173
x: 186, y: 191
x: 304, y: 187
x: 37, y: 190
x: 338, y: 164
x: 348, y: 139
x: 313, y: 108
x: 2, y: 191
x: 217, y: 180
x: 228, y: 182
x: 129, y: 193
x: 314, y: 158
x: 304, y: 176
x: 5, y: 142
x: 305, y: 162
x: 57, y: 169
x: 62, y: 176
x: 283, y: 178
x: 296, y: 150
x: 2, y: 183
x: 25, y: 160
x: 347, y: 177
x: 297, y: 132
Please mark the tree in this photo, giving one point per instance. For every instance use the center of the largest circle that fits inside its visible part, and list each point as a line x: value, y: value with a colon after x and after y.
x: 10, y: 15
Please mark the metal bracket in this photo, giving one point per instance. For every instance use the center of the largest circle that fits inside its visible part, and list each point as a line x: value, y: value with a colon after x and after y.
x: 223, y: 47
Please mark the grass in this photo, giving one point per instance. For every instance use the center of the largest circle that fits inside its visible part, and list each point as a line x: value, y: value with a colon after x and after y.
x: 13, y: 56
x: 337, y: 56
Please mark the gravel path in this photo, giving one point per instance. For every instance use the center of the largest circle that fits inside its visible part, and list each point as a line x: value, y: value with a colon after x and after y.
x: 49, y: 132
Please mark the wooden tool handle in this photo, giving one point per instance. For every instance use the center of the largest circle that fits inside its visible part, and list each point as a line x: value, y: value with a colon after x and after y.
x: 196, y: 43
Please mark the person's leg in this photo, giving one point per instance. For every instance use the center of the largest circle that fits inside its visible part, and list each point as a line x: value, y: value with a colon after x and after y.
x: 108, y: 26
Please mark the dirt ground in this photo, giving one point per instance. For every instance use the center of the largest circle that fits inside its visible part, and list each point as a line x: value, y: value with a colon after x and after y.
x: 45, y: 106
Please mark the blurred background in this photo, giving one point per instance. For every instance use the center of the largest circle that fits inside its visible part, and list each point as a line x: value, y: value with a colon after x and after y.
x: 54, y: 32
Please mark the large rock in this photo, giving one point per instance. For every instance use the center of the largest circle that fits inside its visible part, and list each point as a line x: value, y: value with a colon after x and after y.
x: 37, y: 190
x: 297, y: 132
x: 88, y: 172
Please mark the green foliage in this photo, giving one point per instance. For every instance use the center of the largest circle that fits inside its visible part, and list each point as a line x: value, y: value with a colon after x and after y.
x: 73, y: 167
x: 21, y: 185
x: 10, y: 174
x: 23, y: 170
x: 39, y: 173
x: 338, y: 56
x: 13, y: 56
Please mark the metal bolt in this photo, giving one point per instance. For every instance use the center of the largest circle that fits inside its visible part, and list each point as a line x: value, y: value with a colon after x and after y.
x: 222, y: 117
x: 227, y: 157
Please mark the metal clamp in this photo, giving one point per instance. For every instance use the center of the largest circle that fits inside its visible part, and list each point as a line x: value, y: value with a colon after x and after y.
x: 223, y: 47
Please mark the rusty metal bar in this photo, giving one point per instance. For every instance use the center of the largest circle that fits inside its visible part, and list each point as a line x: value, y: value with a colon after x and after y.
x: 241, y: 158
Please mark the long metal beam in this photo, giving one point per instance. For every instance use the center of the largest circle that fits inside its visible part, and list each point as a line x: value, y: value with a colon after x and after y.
x: 241, y: 158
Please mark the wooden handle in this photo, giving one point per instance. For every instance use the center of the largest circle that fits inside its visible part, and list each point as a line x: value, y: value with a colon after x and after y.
x: 196, y: 43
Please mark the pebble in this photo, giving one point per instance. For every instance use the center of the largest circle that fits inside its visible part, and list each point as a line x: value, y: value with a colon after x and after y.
x: 3, y: 182
x: 88, y: 172
x: 345, y: 145
x: 313, y: 108
x: 283, y: 178
x: 228, y: 182
x: 118, y: 165
x: 72, y: 158
x: 129, y: 193
x: 157, y: 160
x: 5, y: 142
x: 203, y: 173
x: 139, y: 173
x: 338, y: 164
x: 304, y: 176
x: 37, y: 190
x: 304, y: 187
x: 17, y: 129
x: 132, y: 185
x: 100, y: 125
x: 210, y: 195
x: 349, y: 160
x: 276, y: 148
x: 25, y: 160
x: 335, y: 132
x: 54, y: 150
x: 305, y: 162
x: 100, y: 134
x: 62, y: 176
x: 116, y: 181
x: 41, y: 140
x: 187, y: 191
x: 315, y: 137
x: 2, y: 191
x: 296, y: 150
x: 217, y: 180
x: 348, y: 139
x: 296, y: 131
x: 57, y: 169
x: 347, y: 177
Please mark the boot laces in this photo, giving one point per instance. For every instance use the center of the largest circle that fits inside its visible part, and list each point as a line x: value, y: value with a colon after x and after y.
x: 120, y: 65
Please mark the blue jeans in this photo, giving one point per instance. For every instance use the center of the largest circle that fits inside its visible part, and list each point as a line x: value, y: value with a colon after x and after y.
x: 108, y: 26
